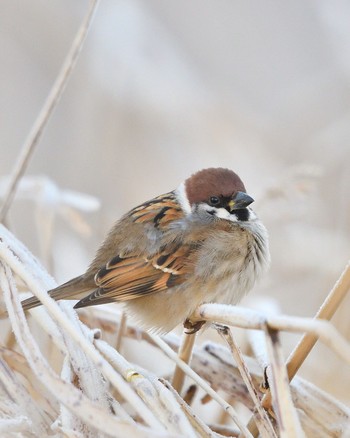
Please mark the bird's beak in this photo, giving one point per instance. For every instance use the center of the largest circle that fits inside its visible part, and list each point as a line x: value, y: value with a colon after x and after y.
x: 240, y: 200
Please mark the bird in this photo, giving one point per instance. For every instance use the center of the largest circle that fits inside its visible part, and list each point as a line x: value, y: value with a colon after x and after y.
x: 200, y: 243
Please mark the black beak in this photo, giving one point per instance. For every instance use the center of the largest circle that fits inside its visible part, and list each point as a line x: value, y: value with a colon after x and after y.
x: 240, y: 200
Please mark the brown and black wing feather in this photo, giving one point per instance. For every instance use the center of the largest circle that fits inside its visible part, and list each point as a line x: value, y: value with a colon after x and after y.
x: 158, y: 211
x: 128, y: 278
x: 125, y: 277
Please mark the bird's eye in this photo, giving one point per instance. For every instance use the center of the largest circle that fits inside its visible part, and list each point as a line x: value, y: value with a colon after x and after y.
x: 214, y: 201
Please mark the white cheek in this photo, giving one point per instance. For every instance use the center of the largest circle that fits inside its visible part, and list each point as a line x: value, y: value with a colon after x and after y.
x: 224, y: 214
x: 221, y: 213
x: 182, y: 198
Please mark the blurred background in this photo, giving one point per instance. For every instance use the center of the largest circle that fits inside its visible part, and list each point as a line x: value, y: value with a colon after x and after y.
x: 163, y: 89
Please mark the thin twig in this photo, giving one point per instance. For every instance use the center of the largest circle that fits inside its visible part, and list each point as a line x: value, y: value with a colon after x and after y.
x: 202, y: 383
x: 149, y: 388
x: 265, y: 426
x: 256, y: 338
x: 224, y: 430
x: 214, y: 363
x: 58, y: 316
x: 248, y: 318
x: 69, y: 395
x: 201, y: 428
x: 287, y: 418
x: 184, y: 353
x: 301, y: 351
x: 326, y: 311
x: 121, y: 331
x: 47, y: 110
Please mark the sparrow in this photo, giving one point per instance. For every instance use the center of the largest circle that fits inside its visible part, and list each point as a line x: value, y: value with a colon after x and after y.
x: 200, y: 243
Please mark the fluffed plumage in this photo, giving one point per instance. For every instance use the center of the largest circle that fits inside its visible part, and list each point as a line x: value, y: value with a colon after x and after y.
x: 200, y: 243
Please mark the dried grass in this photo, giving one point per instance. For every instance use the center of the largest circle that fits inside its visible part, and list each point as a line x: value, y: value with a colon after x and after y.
x: 60, y: 377
x: 98, y: 392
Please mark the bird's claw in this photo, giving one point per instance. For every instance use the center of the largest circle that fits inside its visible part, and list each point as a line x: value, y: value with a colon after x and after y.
x: 192, y: 327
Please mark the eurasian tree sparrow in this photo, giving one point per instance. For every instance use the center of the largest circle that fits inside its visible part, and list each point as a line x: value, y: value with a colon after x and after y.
x: 200, y: 243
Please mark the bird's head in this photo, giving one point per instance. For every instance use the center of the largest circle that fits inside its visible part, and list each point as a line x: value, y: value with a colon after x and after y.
x: 215, y: 193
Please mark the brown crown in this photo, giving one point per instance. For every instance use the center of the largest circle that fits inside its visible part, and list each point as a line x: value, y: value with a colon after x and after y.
x: 212, y: 182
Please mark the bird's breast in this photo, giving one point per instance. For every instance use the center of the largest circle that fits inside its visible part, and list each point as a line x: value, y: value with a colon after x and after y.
x: 231, y: 260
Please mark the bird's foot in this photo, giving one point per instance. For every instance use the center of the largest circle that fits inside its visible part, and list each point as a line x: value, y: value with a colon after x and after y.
x: 193, y: 327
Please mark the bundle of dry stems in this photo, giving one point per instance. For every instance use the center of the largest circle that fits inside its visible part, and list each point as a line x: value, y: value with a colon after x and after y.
x: 60, y: 377
x: 76, y: 384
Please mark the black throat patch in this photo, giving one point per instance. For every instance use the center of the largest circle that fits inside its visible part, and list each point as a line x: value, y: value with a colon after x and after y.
x: 242, y: 214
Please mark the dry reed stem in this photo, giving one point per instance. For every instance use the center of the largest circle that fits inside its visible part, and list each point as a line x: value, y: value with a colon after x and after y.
x: 81, y: 367
x: 148, y: 388
x: 224, y: 430
x: 256, y: 338
x: 67, y: 421
x: 301, y: 351
x: 326, y: 311
x: 18, y: 364
x: 184, y: 353
x: 286, y: 415
x: 120, y: 332
x: 199, y: 426
x: 47, y: 110
x: 168, y: 410
x: 230, y: 381
x: 67, y: 395
x: 212, y: 362
x: 59, y: 317
x: 261, y: 419
x: 19, y: 395
x: 202, y: 383
x: 248, y: 318
x: 323, y: 411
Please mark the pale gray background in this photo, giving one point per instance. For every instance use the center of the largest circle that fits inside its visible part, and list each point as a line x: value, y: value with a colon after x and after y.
x: 163, y: 89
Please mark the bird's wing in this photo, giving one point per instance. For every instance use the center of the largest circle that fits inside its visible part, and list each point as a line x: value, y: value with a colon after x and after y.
x: 124, y: 276
x: 159, y: 211
x: 130, y: 277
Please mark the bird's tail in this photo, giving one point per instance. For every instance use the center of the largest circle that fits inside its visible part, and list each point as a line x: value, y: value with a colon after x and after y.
x: 73, y: 289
